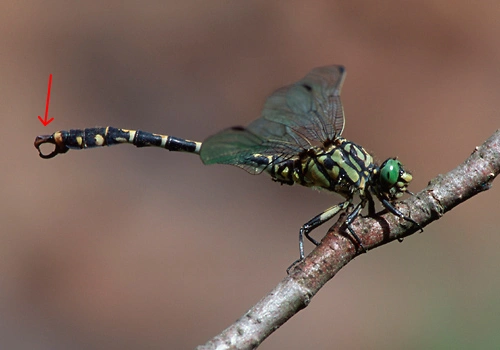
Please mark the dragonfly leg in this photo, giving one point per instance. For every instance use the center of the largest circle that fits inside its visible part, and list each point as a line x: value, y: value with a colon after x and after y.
x: 371, y: 204
x: 352, y: 216
x: 396, y: 212
x: 317, y: 221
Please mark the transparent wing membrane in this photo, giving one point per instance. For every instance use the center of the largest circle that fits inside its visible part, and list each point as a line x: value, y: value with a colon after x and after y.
x: 294, y: 118
x: 245, y: 149
x: 310, y: 108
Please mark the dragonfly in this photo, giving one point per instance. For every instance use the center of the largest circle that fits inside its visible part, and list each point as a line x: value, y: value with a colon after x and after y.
x: 296, y: 140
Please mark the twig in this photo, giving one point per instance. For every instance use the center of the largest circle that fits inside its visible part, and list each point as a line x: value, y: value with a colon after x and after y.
x: 295, y: 292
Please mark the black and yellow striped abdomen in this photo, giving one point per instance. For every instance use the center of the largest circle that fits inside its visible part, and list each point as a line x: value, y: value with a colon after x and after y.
x: 109, y: 136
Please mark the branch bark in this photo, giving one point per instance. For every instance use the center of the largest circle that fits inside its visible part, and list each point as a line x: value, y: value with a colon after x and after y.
x: 295, y: 292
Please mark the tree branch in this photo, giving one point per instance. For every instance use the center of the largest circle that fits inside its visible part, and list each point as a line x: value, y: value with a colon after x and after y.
x: 295, y: 292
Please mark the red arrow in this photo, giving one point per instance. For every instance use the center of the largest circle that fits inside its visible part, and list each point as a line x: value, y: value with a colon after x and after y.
x: 44, y: 121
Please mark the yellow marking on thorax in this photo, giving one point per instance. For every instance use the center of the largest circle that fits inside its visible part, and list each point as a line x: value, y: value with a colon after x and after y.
x: 335, y: 172
x: 313, y: 177
x: 353, y: 162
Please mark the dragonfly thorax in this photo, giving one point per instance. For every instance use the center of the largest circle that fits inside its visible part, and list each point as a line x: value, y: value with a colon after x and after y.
x: 342, y: 167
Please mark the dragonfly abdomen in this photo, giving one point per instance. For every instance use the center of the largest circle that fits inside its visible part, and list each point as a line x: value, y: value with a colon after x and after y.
x: 108, y: 136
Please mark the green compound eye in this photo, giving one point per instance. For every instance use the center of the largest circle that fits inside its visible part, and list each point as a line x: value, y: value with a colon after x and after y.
x: 389, y: 173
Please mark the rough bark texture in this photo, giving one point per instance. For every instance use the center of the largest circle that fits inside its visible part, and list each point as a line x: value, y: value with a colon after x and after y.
x: 295, y: 292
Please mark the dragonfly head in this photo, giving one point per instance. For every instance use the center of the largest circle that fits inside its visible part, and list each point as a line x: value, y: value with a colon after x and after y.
x: 393, y: 179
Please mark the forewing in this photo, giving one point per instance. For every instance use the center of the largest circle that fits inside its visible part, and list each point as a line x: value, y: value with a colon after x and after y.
x: 310, y: 110
x: 294, y: 118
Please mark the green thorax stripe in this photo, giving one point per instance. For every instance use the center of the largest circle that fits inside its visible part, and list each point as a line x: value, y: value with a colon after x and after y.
x: 344, y: 167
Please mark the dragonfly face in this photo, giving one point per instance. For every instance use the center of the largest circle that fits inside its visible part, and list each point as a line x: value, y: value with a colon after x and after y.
x: 391, y: 181
x: 297, y: 140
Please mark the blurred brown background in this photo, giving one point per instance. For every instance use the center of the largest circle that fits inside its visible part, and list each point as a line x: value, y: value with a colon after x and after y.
x: 126, y: 248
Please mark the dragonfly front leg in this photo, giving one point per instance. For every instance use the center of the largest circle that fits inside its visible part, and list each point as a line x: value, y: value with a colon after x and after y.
x: 317, y: 221
x: 371, y: 204
x: 353, y: 215
x: 396, y: 212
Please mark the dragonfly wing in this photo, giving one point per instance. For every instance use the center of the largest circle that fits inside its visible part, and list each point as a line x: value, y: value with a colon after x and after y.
x: 245, y: 149
x: 310, y: 109
x: 293, y: 119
